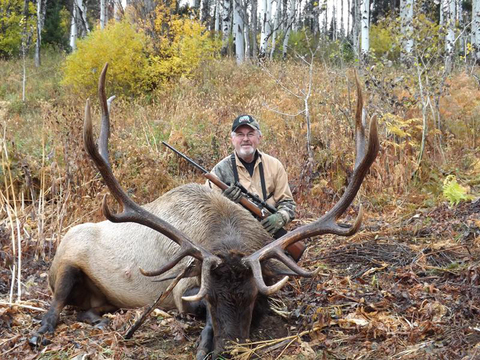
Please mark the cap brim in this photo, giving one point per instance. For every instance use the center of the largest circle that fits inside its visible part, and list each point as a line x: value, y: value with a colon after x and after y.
x: 253, y: 127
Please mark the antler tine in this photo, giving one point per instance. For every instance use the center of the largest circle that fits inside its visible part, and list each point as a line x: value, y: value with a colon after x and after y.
x: 327, y: 223
x: 105, y: 128
x: 131, y: 212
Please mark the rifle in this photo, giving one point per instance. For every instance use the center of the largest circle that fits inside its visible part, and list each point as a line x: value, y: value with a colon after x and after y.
x: 295, y: 250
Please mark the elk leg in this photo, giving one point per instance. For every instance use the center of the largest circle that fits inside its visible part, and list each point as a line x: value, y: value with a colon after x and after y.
x: 63, y: 288
x: 199, y: 308
x: 94, y: 317
x: 205, y: 345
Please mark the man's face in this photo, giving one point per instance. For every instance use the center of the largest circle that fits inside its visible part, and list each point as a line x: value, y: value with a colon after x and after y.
x: 246, y: 141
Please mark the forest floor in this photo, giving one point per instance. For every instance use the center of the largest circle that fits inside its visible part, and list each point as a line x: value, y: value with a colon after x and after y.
x: 405, y: 287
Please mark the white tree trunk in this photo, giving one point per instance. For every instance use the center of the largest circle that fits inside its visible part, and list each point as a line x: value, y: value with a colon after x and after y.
x: 41, y: 10
x: 262, y: 13
x: 290, y: 21
x: 448, y: 10
x: 102, y: 14
x: 365, y: 27
x: 82, y: 16
x: 276, y: 23
x: 356, y: 27
x: 476, y: 28
x: 217, y: 16
x: 238, y: 32
x: 73, y: 27
x: 406, y: 16
x: 226, y: 25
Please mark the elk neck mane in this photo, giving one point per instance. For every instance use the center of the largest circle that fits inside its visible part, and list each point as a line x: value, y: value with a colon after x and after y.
x: 210, y: 219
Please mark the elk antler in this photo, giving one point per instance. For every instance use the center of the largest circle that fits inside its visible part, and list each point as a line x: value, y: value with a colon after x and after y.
x: 131, y: 211
x: 327, y: 223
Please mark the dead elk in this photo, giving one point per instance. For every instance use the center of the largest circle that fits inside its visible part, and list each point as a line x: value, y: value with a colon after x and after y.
x: 98, y: 267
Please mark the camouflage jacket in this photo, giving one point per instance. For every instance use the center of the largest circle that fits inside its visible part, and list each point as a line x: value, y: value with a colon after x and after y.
x: 278, y: 191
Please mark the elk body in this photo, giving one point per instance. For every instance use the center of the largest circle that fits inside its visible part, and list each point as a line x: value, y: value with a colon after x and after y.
x: 101, y: 267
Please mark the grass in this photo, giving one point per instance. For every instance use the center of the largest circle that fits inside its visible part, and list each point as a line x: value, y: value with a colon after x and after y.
x: 42, y: 83
x: 51, y: 172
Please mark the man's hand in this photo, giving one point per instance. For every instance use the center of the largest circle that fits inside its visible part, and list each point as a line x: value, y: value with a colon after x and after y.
x: 233, y: 193
x: 273, y: 223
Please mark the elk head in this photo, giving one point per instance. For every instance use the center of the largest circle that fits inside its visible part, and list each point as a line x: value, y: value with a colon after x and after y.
x: 231, y: 282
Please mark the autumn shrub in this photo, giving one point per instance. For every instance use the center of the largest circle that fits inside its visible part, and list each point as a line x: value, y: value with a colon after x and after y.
x: 179, y: 46
x: 139, y: 63
x: 122, y: 47
x: 12, y: 24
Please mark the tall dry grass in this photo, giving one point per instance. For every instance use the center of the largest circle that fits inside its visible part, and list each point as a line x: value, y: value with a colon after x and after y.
x: 47, y: 184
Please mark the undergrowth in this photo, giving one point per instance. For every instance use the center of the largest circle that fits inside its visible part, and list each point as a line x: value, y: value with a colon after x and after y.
x: 45, y: 168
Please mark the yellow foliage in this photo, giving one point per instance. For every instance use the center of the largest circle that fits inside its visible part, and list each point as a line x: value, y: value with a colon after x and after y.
x: 382, y: 41
x: 183, y: 43
x: 175, y: 48
x: 402, y: 128
x: 121, y: 46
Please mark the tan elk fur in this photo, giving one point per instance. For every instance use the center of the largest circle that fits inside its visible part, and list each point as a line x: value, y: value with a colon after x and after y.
x: 110, y: 254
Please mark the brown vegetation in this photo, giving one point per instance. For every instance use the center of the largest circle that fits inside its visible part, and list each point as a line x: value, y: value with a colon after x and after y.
x: 405, y: 287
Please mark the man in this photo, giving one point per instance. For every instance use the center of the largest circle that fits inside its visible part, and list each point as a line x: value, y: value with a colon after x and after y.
x: 261, y: 174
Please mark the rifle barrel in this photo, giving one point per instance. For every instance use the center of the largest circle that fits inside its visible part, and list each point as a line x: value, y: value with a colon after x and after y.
x: 202, y: 169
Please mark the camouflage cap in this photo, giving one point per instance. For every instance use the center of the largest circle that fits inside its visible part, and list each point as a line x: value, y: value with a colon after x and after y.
x: 245, y: 120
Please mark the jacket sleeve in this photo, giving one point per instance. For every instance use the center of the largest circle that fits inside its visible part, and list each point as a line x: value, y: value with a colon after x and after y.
x: 223, y: 170
x: 283, y: 195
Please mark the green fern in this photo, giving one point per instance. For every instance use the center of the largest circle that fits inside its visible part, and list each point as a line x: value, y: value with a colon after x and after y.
x: 453, y: 191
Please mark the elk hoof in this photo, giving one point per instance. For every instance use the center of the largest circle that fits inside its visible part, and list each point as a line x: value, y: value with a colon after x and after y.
x: 38, y: 340
x: 201, y: 355
x: 102, y: 324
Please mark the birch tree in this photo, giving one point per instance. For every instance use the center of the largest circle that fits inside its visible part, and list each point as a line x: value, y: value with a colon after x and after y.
x: 41, y: 10
x: 238, y: 28
x: 448, y: 17
x: 73, y: 28
x: 365, y: 9
x: 476, y: 28
x: 289, y: 25
x: 265, y: 22
x: 217, y: 16
x: 276, y: 24
x: 406, y: 18
x: 103, y: 21
x: 225, y: 13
